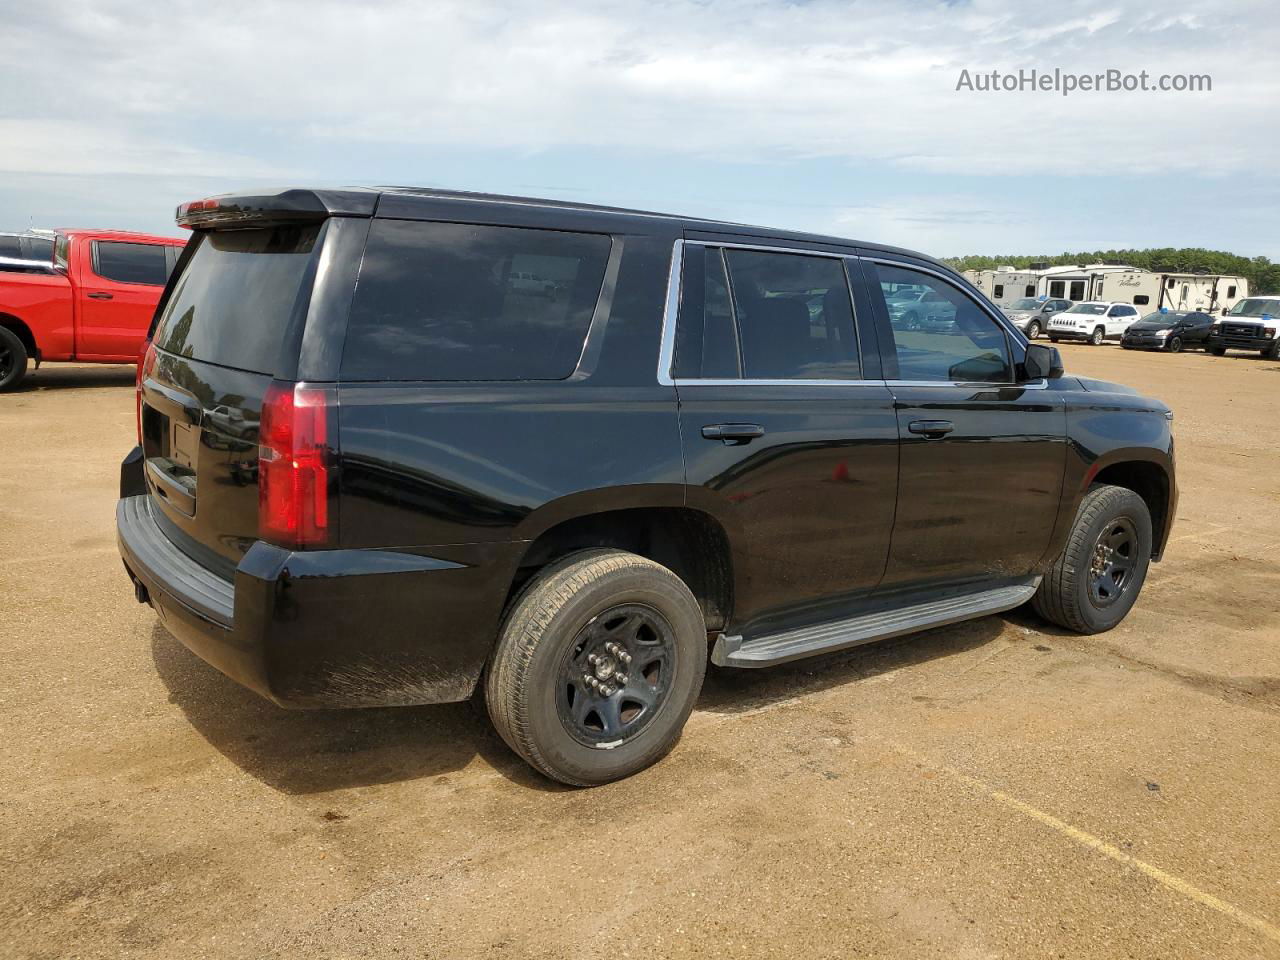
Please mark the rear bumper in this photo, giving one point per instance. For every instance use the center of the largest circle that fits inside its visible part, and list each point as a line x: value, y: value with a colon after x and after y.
x: 325, y: 628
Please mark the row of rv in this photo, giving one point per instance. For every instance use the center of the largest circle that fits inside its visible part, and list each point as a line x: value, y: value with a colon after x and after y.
x: 1148, y: 291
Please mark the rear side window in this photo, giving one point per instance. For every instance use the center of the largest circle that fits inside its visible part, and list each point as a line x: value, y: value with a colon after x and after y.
x: 131, y: 262
x: 233, y: 302
x: 795, y: 319
x: 451, y: 301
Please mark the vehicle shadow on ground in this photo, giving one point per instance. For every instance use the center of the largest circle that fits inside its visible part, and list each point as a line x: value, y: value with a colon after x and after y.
x: 314, y: 751
x: 65, y: 378
x: 732, y: 690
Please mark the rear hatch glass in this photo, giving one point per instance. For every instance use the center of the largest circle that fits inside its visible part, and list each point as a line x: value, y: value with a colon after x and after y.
x: 218, y: 342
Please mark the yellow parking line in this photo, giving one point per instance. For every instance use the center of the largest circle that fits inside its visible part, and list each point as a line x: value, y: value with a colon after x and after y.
x: 1268, y: 930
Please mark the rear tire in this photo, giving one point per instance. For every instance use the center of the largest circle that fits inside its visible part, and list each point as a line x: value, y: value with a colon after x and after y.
x: 626, y: 624
x: 13, y: 359
x: 1033, y: 330
x: 1093, y: 585
x: 1098, y: 335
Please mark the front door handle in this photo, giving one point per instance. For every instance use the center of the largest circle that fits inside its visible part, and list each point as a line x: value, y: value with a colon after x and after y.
x: 932, y: 429
x: 733, y: 433
x: 99, y: 296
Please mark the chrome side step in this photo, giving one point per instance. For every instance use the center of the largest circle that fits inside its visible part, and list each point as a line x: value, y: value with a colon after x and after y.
x: 839, y: 634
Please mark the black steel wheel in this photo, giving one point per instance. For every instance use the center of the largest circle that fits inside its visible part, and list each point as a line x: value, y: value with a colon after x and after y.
x: 616, y: 674
x: 597, y: 668
x: 1114, y: 555
x: 1174, y: 345
x: 1094, y: 583
x: 13, y: 359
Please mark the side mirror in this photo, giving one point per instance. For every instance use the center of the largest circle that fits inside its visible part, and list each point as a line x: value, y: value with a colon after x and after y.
x: 1043, y: 363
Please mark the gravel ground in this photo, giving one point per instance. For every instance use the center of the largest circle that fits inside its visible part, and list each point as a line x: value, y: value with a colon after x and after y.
x: 994, y: 789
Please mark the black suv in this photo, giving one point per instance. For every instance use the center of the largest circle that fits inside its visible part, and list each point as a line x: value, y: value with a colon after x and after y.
x: 399, y: 444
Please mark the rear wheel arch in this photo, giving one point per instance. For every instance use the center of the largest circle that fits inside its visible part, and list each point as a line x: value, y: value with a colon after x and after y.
x: 688, y: 542
x: 22, y: 332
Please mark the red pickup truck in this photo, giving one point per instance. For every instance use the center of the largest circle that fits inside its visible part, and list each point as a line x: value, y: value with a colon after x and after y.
x: 93, y: 305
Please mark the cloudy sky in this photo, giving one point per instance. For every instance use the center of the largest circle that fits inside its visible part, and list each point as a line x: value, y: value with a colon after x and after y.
x: 838, y: 117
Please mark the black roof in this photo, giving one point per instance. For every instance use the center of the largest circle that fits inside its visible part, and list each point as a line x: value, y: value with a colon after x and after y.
x: 399, y: 200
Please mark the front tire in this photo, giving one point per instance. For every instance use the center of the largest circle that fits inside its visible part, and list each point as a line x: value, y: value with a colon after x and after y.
x: 13, y: 359
x: 1098, y: 335
x: 1174, y: 345
x: 1218, y: 351
x: 1053, y: 339
x: 597, y: 668
x: 1094, y: 583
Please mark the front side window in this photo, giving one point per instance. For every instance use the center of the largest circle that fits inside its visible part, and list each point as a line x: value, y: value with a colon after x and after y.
x: 947, y: 337
x: 131, y: 262
x: 794, y: 316
x: 456, y: 301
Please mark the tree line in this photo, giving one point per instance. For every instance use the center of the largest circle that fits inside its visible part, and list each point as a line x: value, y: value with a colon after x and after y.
x: 1262, y: 274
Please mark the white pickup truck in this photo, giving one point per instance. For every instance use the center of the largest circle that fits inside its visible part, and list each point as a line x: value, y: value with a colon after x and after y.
x: 1092, y: 321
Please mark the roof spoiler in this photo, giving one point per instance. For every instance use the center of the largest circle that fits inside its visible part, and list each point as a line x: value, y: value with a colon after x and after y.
x: 232, y: 210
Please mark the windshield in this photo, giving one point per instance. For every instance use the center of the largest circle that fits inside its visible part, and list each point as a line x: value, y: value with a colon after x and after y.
x: 1026, y: 303
x: 1254, y: 307
x: 1094, y: 308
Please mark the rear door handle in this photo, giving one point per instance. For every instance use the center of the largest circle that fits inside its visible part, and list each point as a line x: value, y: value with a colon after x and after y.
x: 932, y: 429
x: 100, y: 296
x: 733, y: 433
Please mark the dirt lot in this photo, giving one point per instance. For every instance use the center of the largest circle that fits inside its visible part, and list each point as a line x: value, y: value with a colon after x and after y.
x: 996, y: 789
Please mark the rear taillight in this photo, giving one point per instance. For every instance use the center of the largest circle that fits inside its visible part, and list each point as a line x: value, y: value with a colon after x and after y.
x: 146, y: 363
x: 296, y: 440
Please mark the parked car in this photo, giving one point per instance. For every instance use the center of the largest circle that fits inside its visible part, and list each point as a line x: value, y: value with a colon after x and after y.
x: 1171, y: 330
x: 93, y: 305
x: 1032, y: 314
x: 924, y: 310
x: 28, y: 252
x: 1250, y: 325
x: 388, y: 481
x: 1092, y: 321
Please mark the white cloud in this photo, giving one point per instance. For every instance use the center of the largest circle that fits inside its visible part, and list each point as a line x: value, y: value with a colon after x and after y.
x: 239, y: 87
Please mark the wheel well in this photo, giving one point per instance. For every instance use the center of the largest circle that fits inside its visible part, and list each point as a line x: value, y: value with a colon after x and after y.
x: 1151, y: 483
x: 10, y: 322
x: 690, y: 543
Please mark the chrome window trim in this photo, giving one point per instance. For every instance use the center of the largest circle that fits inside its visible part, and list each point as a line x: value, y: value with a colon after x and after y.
x: 666, y: 349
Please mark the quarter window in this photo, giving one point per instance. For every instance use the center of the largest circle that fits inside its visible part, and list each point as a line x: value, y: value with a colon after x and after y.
x: 998, y: 291
x: 456, y: 301
x: 794, y: 316
x: 131, y: 262
x: 945, y: 336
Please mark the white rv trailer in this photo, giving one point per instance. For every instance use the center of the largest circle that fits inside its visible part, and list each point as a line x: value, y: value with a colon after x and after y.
x: 1005, y: 285
x: 1106, y: 281
x: 1207, y: 293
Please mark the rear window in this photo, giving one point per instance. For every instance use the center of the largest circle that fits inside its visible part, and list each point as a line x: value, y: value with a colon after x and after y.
x: 131, y: 262
x: 233, y: 302
x: 449, y: 301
